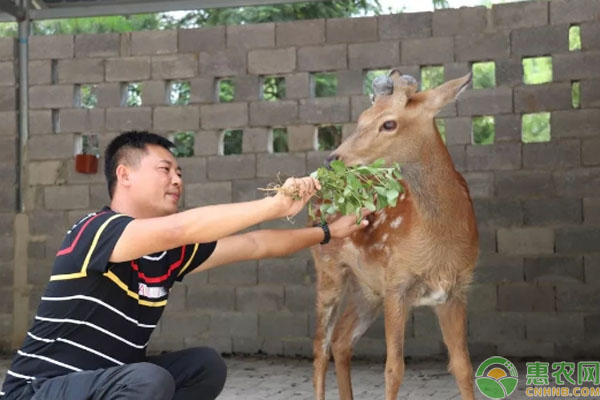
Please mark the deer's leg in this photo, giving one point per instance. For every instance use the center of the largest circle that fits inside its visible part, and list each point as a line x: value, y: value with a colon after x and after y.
x: 358, y: 316
x: 453, y: 321
x: 331, y: 287
x: 395, y: 310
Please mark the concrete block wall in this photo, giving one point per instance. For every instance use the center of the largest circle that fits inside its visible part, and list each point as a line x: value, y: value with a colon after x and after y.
x: 538, y: 204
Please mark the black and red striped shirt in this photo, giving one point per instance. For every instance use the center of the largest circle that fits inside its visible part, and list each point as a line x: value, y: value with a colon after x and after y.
x: 94, y: 313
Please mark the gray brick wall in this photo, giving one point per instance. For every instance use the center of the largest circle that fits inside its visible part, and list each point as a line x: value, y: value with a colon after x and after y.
x: 538, y: 204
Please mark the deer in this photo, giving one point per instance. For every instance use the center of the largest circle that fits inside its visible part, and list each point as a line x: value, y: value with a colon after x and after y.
x: 422, y: 252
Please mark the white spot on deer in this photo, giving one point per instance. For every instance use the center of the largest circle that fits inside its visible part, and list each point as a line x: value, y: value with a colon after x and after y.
x: 402, y: 196
x: 377, y: 246
x: 396, y: 223
x: 433, y: 298
x: 384, y: 237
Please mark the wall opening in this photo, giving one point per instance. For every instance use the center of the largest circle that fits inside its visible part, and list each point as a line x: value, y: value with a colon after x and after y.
x: 535, y: 127
x: 431, y: 76
x: 273, y: 88
x: 483, y: 129
x: 537, y: 70
x: 231, y: 142
x: 328, y: 137
x: 324, y: 84
x: 225, y: 90
x: 484, y: 75
x: 179, y: 93
x: 278, y: 140
x: 184, y: 144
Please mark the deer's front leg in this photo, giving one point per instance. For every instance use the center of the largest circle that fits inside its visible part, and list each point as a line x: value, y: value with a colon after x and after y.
x: 395, y: 310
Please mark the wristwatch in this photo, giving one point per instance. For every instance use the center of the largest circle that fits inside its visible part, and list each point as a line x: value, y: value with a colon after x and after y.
x: 327, y: 233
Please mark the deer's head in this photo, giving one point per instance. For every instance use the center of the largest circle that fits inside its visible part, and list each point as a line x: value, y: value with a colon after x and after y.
x: 399, y: 126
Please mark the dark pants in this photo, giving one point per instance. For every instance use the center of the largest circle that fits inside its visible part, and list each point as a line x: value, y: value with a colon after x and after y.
x: 196, y: 373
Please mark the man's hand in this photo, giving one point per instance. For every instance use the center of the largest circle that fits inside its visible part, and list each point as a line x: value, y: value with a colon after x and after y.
x: 346, y: 225
x: 305, y: 188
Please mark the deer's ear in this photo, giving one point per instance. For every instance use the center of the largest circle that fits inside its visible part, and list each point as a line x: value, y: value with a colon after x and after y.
x: 440, y: 96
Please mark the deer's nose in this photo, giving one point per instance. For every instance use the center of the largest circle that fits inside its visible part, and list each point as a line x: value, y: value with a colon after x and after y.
x: 332, y: 157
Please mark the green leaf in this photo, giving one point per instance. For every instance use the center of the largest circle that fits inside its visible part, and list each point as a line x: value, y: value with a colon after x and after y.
x: 378, y: 163
x: 370, y: 206
x: 392, y: 195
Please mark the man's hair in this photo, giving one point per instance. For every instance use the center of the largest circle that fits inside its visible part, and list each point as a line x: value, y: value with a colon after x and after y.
x: 127, y: 148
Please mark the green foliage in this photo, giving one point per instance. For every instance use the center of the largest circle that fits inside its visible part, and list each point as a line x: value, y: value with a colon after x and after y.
x: 369, y: 78
x: 273, y: 88
x: 74, y: 26
x: 226, y: 90
x: 441, y: 127
x: 431, y: 77
x: 134, y: 95
x: 576, y: 94
x: 347, y: 190
x: 180, y: 93
x: 574, y: 38
x: 535, y: 127
x: 484, y: 75
x: 483, y: 130
x: 87, y: 96
x: 325, y: 85
x: 184, y: 144
x: 232, y: 142
x: 437, y: 4
x: 280, y: 140
x: 537, y: 70
x: 329, y: 137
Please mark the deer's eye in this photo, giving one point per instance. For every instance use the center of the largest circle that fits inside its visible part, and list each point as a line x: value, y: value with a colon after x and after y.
x: 389, y: 125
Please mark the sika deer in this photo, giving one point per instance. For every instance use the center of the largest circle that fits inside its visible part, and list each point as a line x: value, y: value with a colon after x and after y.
x: 421, y: 252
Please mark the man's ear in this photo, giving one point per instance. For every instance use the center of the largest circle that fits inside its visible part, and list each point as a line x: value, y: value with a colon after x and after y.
x: 440, y: 96
x: 122, y: 173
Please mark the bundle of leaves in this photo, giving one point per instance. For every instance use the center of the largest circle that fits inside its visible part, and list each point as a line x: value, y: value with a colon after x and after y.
x: 347, y: 190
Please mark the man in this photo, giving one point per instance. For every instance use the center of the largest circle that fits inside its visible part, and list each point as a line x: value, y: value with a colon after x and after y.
x: 112, y: 276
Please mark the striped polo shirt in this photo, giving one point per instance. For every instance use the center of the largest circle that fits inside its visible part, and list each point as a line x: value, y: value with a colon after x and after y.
x: 94, y: 313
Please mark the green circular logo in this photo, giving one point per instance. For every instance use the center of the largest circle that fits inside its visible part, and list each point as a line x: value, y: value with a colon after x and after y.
x: 496, y: 378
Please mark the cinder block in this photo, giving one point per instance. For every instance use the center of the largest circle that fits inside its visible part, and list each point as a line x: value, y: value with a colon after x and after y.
x: 40, y: 122
x: 66, y: 197
x: 211, y: 297
x: 238, y: 274
x: 526, y: 297
x: 44, y: 172
x: 462, y: 21
x: 174, y: 66
x: 481, y: 184
x: 485, y: 101
x: 458, y: 131
x: 325, y: 110
x: 132, y: 118
x: 590, y: 151
x: 223, y: 62
x: 426, y: 323
x: 592, y: 268
x: 482, y: 297
x: 239, y: 324
x: 281, y: 324
x: 554, y: 269
x: 235, y: 166
x: 154, y: 93
x: 207, y: 193
x: 40, y: 72
x: 51, y: 147
x: 285, y: 164
x: 53, y: 96
x: 7, y: 48
x: 482, y: 46
x: 7, y: 74
x: 502, y: 325
x: 202, y: 39
x: 359, y: 104
x: 591, y: 211
x: 509, y: 72
x: 572, y: 11
x: 247, y: 189
x: 7, y: 150
x: 273, y: 113
x: 194, y: 168
x: 501, y: 156
x: 574, y: 123
x: 109, y: 95
x: 202, y: 90
x: 524, y: 184
x: 374, y: 55
x: 578, y: 182
x: 297, y: 86
x: 98, y: 45
x: 226, y: 115
x: 435, y: 50
x: 456, y: 70
x: 350, y: 82
x: 556, y: 327
x: 507, y: 128
x: 8, y: 121
x: 127, y: 69
x: 458, y: 153
x: 98, y: 196
x: 540, y: 40
x: 590, y: 93
x: 498, y: 212
x: 322, y: 58
x: 577, y: 239
x: 405, y: 25
x: 283, y: 271
x: 575, y: 65
x: 487, y: 241
x: 520, y: 15
x: 552, y: 155
x: 255, y: 140
x: 51, y: 46
x: 206, y: 143
x: 172, y: 118
x: 301, y: 137
x: 80, y: 120
x: 73, y: 177
x: 526, y: 241
x: 315, y: 159
x: 247, y: 87
x: 259, y: 298
x: 251, y: 36
x: 351, y: 30
x: 300, y: 33
x: 276, y: 61
x: 590, y: 36
x: 552, y: 211
x: 153, y: 42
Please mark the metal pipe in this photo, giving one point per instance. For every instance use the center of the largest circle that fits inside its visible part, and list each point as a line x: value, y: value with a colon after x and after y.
x: 24, y: 30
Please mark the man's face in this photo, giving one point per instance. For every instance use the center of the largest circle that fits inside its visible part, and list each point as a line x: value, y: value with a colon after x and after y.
x: 156, y: 183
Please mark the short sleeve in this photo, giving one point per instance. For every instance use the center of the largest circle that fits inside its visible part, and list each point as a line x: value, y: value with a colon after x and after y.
x: 93, y: 240
x: 195, y: 255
